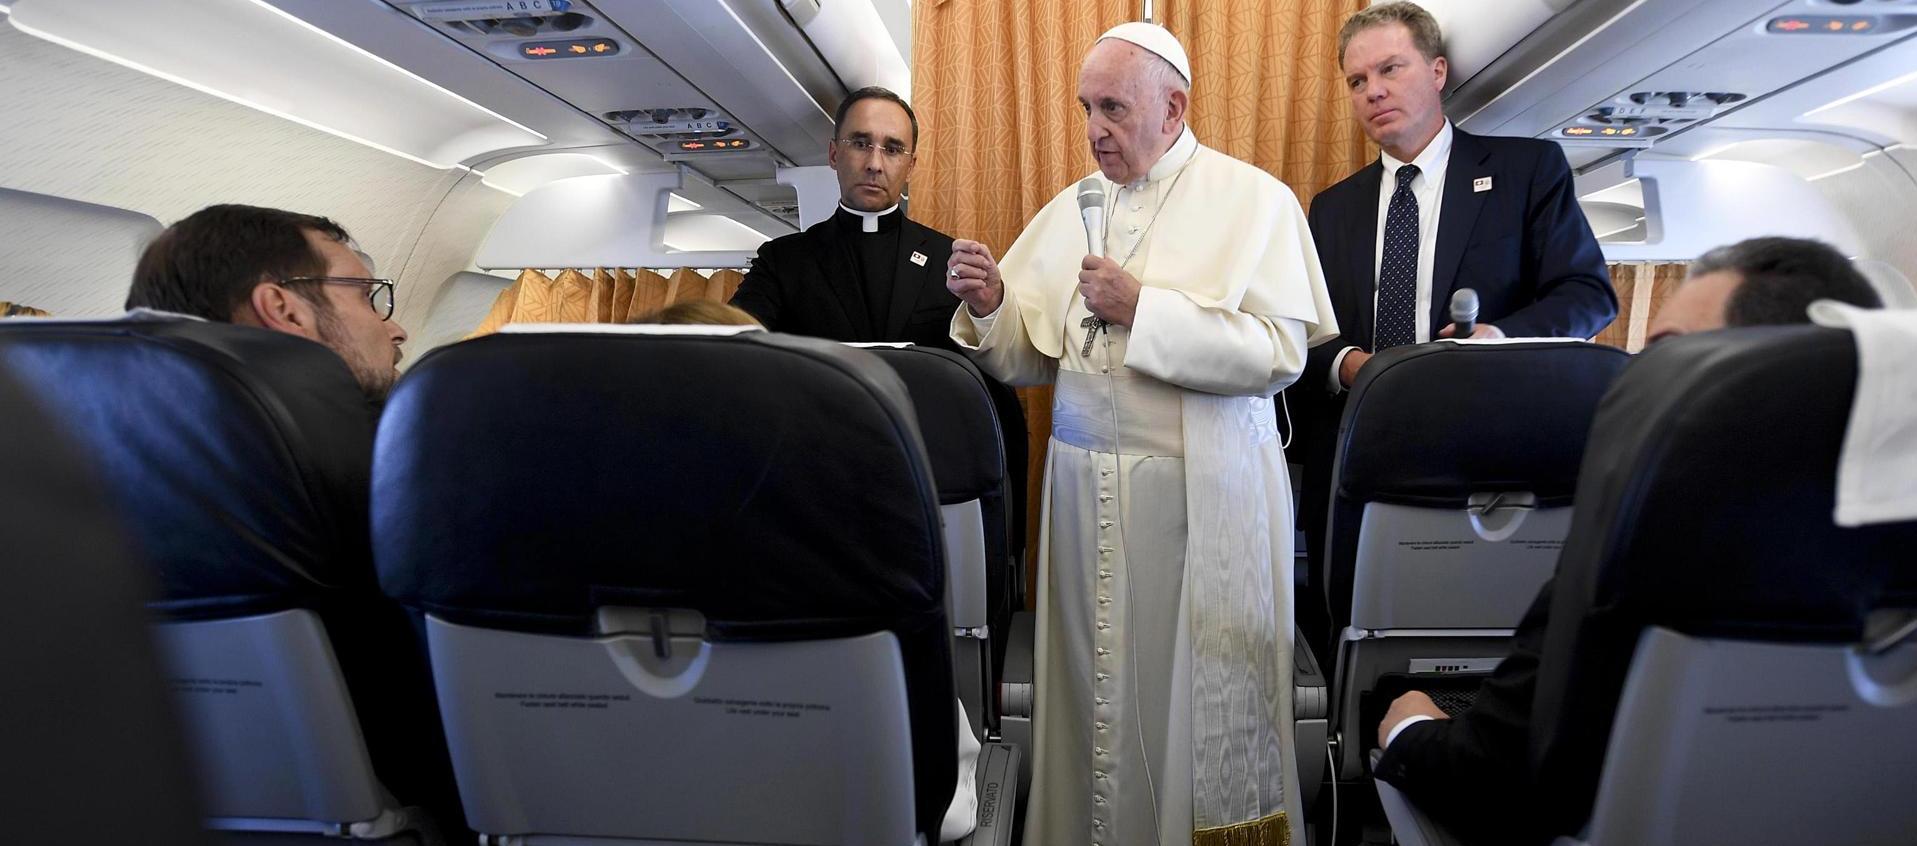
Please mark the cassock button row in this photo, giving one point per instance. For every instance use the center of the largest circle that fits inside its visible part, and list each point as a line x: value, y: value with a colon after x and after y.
x: 1104, y: 627
x: 1104, y: 574
x: 1104, y: 497
x: 1104, y: 600
x: 1104, y: 524
x: 1101, y: 727
x: 1102, y: 677
x: 1103, y: 652
x: 1099, y: 701
x: 1106, y: 471
x: 1098, y: 800
x: 1099, y: 751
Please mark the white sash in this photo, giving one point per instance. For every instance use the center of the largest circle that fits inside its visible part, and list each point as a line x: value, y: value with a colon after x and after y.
x: 1241, y: 651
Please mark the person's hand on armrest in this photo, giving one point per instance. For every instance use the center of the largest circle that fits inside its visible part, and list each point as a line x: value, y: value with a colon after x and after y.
x: 1405, y: 710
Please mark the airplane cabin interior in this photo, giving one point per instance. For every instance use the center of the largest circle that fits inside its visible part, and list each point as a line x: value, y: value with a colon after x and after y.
x: 624, y: 547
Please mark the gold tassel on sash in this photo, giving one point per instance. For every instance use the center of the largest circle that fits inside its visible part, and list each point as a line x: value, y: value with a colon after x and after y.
x: 1273, y: 830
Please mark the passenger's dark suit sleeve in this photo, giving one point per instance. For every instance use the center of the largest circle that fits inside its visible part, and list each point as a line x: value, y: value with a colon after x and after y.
x: 1574, y: 296
x: 1318, y: 360
x: 760, y: 293
x: 1472, y: 772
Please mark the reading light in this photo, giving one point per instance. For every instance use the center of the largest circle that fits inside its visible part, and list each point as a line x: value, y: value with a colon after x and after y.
x: 1821, y: 25
x: 254, y: 54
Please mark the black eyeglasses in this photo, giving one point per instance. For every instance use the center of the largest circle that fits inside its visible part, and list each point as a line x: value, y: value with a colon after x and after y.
x: 379, y: 293
x: 893, y: 152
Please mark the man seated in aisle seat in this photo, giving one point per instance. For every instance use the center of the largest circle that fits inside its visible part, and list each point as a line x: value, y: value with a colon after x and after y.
x: 295, y: 273
x: 1469, y: 770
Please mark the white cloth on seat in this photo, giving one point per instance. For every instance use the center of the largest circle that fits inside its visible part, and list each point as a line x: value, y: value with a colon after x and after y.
x: 1877, y: 471
x: 961, y: 817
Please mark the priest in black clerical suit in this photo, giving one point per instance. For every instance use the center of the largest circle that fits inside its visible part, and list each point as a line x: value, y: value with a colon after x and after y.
x: 857, y: 276
x: 870, y: 274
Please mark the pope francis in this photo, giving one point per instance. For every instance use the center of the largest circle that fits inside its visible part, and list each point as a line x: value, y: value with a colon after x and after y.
x: 1165, y: 607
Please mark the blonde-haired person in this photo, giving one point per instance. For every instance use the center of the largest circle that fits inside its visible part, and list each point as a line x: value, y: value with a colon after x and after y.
x: 699, y: 313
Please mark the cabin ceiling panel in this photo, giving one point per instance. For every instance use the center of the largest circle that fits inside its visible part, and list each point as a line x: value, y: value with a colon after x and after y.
x: 86, y: 129
x: 404, y: 40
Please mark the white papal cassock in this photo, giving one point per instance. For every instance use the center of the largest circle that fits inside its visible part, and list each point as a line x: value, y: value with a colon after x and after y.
x: 1165, y: 615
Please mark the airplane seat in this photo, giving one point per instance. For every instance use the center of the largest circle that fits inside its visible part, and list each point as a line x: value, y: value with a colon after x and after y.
x: 87, y: 719
x: 240, y: 457
x: 681, y: 584
x: 1451, y: 497
x: 1772, y: 693
x: 1723, y: 663
x: 963, y: 441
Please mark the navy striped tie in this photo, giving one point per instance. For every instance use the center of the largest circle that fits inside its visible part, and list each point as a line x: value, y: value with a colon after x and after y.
x: 1397, y: 317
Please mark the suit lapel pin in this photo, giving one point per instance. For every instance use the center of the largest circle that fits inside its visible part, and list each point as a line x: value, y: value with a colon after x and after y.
x: 918, y: 258
x: 1481, y: 184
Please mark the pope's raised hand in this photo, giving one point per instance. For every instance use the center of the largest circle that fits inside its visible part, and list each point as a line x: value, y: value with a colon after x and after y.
x: 1110, y: 293
x: 972, y: 275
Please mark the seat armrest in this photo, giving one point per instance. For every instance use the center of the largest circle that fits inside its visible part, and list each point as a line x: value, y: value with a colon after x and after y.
x: 1409, y: 825
x: 1312, y: 697
x: 998, y: 769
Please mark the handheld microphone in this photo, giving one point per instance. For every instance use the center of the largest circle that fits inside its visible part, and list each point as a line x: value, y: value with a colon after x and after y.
x: 1464, y: 313
x: 1091, y: 209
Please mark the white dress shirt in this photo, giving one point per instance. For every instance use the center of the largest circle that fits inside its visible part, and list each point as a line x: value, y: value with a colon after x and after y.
x: 1428, y: 188
x: 1403, y: 724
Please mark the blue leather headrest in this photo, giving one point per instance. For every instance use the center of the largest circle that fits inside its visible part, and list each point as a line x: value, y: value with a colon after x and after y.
x: 240, y: 456
x: 956, y: 416
x: 524, y: 480
x: 1431, y: 424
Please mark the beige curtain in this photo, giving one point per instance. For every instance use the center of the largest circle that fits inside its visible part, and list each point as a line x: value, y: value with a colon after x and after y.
x: 1001, y: 130
x: 1642, y: 290
x: 608, y: 295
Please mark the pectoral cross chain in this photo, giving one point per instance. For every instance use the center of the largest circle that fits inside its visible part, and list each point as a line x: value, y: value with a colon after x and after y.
x: 1093, y: 326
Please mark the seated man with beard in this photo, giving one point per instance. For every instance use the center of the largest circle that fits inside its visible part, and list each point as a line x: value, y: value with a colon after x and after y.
x: 279, y: 270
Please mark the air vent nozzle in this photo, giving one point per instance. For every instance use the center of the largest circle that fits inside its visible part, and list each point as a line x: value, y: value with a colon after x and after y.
x: 684, y: 129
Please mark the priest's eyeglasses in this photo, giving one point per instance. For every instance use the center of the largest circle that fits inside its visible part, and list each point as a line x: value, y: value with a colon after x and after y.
x: 893, y: 152
x: 379, y: 292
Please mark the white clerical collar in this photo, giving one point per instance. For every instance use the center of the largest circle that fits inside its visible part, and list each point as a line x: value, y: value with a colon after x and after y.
x: 869, y: 221
x: 1439, y: 150
x: 1175, y: 158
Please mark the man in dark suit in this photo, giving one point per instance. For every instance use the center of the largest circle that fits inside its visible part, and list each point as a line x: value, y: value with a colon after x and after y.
x: 1441, y: 210
x: 869, y: 273
x: 1472, y: 770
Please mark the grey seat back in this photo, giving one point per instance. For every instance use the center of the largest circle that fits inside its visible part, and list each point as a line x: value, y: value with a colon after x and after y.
x: 678, y: 587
